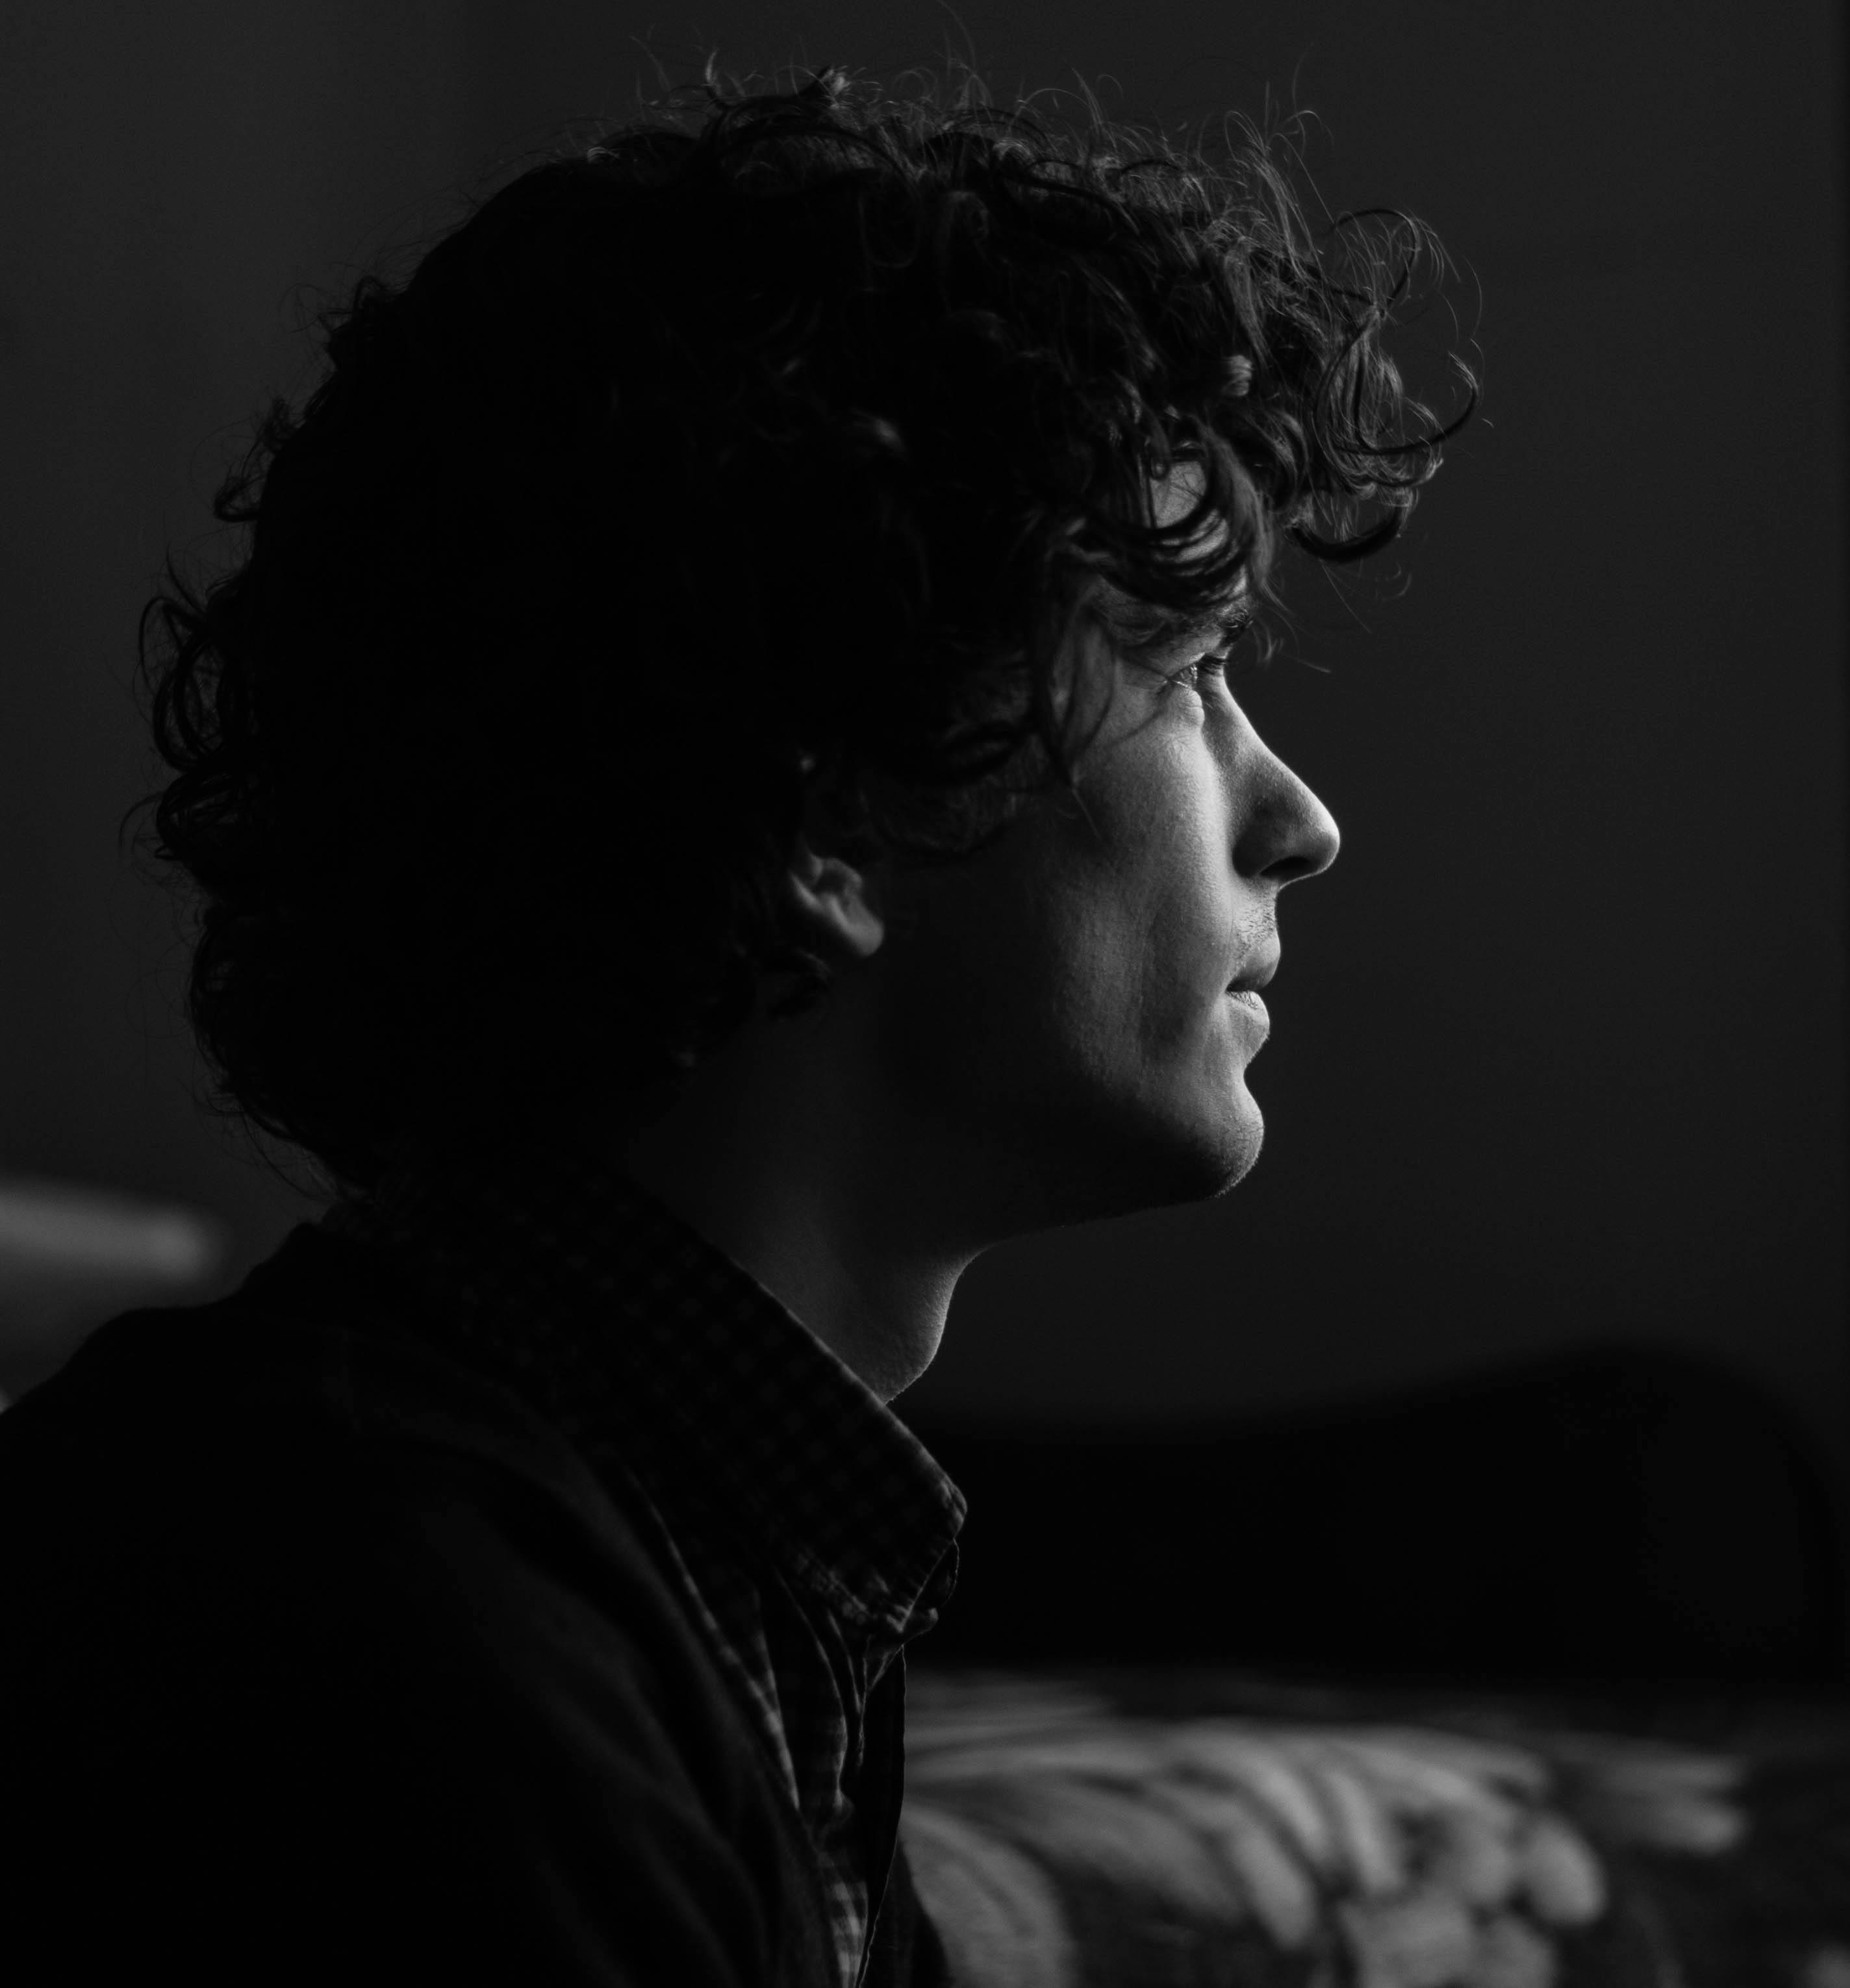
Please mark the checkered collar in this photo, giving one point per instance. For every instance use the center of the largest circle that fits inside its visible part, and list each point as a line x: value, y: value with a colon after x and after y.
x: 644, y: 1341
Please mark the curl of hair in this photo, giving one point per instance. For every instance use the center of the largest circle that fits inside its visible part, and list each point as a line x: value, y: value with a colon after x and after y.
x: 753, y: 463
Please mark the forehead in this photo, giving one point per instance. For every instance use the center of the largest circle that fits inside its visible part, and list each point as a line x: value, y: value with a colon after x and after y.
x: 1173, y: 496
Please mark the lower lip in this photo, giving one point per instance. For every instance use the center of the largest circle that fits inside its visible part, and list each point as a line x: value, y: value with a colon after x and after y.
x: 1248, y: 999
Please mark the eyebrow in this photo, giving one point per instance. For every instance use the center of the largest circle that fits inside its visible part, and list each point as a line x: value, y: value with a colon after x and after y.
x: 1229, y: 619
x: 1151, y: 627
x: 1143, y: 627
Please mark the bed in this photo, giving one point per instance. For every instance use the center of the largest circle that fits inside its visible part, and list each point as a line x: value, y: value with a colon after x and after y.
x: 1181, y: 1828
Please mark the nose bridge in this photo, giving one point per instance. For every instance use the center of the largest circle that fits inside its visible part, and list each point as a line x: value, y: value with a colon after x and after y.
x: 1283, y: 830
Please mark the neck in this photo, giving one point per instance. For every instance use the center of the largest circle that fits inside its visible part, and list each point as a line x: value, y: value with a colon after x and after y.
x: 778, y: 1153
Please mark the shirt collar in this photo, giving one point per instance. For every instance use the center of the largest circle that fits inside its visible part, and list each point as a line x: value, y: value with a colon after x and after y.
x: 641, y: 1338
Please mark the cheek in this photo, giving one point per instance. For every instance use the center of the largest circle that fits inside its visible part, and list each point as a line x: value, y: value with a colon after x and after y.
x: 1179, y: 894
x: 1049, y: 959
x: 1099, y: 991
x: 1099, y: 935
x: 975, y: 972
x: 1140, y: 968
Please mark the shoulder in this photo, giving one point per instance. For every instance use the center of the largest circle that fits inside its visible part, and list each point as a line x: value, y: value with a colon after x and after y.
x: 280, y: 1555
x: 295, y: 1462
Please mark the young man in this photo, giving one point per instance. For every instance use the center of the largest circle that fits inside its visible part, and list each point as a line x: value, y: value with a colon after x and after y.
x: 715, y: 797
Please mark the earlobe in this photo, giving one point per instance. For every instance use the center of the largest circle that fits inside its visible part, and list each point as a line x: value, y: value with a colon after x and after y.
x: 834, y: 905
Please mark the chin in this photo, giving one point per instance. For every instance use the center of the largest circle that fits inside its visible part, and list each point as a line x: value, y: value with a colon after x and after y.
x: 1195, y: 1155
x: 1236, y: 1151
x: 1239, y: 1164
x: 1216, y: 1125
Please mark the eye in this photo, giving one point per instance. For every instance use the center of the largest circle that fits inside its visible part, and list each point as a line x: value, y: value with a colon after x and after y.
x: 1215, y: 663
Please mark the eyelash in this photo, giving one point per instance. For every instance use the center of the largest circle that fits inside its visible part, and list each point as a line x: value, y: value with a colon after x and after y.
x: 1216, y: 660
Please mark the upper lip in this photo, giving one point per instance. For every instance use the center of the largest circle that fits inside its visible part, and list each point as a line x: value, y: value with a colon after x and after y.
x: 1257, y: 974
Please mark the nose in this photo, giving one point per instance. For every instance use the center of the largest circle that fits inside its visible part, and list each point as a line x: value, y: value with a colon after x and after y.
x: 1288, y: 833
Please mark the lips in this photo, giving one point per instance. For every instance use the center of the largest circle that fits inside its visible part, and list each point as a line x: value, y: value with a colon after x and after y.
x: 1256, y: 975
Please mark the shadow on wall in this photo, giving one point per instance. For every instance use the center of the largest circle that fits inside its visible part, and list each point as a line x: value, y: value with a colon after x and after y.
x: 1600, y: 1517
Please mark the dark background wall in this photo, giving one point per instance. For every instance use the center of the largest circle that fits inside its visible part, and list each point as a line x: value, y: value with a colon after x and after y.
x: 1558, y: 1046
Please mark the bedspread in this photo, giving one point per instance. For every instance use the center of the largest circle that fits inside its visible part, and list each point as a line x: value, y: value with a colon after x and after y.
x: 1146, y: 1829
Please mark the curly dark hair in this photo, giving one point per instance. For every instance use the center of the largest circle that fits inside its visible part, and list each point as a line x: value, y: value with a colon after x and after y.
x: 755, y: 461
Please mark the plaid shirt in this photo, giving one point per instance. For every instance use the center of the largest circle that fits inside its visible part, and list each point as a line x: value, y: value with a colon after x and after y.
x: 810, y: 1532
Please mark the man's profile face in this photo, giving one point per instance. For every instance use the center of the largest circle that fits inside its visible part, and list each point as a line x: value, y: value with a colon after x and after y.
x: 1059, y: 1005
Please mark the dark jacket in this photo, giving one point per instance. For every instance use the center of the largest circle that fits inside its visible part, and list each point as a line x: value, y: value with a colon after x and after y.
x: 325, y: 1658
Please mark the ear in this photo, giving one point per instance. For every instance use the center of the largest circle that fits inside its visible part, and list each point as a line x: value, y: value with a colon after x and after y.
x: 836, y: 906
